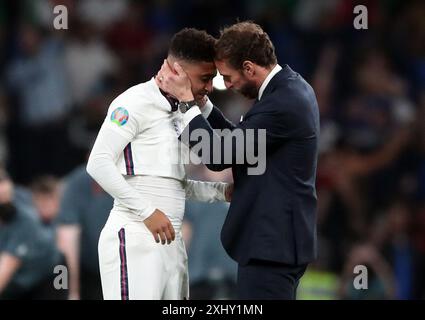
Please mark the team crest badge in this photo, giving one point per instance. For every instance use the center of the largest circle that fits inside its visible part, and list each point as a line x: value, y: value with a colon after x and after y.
x: 120, y: 116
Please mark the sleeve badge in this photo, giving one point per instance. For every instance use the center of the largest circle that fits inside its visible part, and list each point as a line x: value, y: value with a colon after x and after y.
x: 120, y: 116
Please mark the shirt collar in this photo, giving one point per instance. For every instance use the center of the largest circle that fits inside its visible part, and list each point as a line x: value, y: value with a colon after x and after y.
x: 174, y: 103
x: 272, y: 73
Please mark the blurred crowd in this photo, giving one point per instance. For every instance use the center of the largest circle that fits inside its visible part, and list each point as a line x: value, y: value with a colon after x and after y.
x: 56, y: 86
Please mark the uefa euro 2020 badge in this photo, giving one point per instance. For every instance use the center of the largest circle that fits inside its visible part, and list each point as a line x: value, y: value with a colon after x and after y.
x: 120, y: 116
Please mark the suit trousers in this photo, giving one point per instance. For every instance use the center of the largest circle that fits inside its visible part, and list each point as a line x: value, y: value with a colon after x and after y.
x: 267, y: 280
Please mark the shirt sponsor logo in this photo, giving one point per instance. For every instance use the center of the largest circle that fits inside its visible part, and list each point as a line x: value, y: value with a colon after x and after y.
x: 120, y: 116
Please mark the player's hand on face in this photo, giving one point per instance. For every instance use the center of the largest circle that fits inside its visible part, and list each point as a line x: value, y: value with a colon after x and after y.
x: 160, y: 226
x: 176, y: 83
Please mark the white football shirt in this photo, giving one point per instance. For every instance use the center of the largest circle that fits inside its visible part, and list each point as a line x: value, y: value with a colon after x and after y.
x: 143, y: 116
x: 139, y: 138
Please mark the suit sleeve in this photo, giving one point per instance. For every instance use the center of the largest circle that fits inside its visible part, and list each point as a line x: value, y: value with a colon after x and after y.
x: 215, y: 117
x: 243, y: 144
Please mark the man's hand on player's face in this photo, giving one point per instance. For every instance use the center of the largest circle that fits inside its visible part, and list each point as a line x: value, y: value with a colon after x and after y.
x: 176, y: 83
x: 160, y: 226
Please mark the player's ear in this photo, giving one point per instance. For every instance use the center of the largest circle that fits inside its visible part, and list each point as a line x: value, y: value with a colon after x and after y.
x: 248, y: 68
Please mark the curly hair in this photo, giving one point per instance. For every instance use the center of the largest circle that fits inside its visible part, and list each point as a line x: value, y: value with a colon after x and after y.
x: 192, y: 45
x: 245, y: 41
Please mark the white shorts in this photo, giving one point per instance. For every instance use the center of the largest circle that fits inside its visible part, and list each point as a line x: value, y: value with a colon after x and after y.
x: 133, y: 266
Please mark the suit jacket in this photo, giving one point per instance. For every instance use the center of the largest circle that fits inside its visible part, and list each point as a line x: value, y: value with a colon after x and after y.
x: 272, y: 216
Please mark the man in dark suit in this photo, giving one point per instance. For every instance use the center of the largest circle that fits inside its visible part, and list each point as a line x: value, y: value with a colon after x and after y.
x: 270, y: 229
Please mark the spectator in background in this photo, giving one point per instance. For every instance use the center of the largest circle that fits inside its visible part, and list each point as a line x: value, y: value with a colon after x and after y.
x: 419, y: 243
x: 85, y: 123
x: 35, y: 75
x: 46, y: 194
x: 102, y: 13
x: 37, y: 81
x: 391, y: 236
x: 133, y: 40
x: 380, y: 107
x: 212, y: 272
x: 83, y: 212
x: 323, y: 82
x: 27, y: 256
x: 87, y: 61
x: 342, y: 212
x: 380, y: 279
x: 418, y: 217
x: 3, y: 125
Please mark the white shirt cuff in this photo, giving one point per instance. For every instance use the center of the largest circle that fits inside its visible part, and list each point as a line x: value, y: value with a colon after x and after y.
x: 206, y: 110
